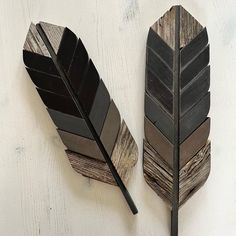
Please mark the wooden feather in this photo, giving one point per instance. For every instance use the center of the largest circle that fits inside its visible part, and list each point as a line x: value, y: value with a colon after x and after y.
x: 176, y: 149
x: 99, y: 144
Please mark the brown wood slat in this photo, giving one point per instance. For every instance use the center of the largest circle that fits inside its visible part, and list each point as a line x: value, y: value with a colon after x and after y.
x: 124, y: 158
x: 194, y: 142
x: 192, y: 175
x: 187, y: 149
x: 158, y: 141
x: 88, y: 147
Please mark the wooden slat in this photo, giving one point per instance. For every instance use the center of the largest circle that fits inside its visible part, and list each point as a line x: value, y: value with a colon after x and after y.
x: 70, y: 123
x: 194, y: 117
x: 158, y: 141
x: 54, y: 34
x: 158, y: 116
x: 156, y: 88
x: 195, y: 90
x: 58, y: 102
x: 124, y: 158
x: 48, y: 82
x: 160, y: 47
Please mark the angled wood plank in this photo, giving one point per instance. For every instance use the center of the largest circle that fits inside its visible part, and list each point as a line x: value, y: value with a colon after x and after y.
x: 157, y: 115
x: 124, y: 154
x: 69, y: 123
x: 89, y: 147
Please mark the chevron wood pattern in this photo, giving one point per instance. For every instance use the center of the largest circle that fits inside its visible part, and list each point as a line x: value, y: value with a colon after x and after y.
x: 176, y: 149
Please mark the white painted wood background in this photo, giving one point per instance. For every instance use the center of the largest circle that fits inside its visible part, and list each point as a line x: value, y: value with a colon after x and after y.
x: 40, y: 194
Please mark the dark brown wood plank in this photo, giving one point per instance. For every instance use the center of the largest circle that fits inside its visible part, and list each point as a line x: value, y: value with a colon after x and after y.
x: 194, y: 142
x: 81, y: 145
x: 158, y: 141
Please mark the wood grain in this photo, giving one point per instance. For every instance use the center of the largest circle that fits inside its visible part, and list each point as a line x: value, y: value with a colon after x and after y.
x: 124, y: 158
x: 34, y: 43
x: 41, y: 194
x: 192, y: 175
x: 54, y: 34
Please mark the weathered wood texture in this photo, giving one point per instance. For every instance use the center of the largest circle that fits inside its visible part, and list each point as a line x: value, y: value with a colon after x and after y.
x: 124, y: 157
x: 192, y: 175
x: 87, y: 119
x: 177, y: 102
x: 165, y: 27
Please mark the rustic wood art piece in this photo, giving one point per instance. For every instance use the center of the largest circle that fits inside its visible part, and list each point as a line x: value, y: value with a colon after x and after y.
x: 99, y: 145
x: 176, y: 158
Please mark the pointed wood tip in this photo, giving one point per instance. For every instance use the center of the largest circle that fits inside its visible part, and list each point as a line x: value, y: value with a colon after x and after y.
x: 54, y: 34
x: 34, y: 43
x: 165, y: 26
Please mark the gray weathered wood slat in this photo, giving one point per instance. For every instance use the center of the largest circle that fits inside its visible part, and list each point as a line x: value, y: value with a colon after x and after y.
x: 192, y: 175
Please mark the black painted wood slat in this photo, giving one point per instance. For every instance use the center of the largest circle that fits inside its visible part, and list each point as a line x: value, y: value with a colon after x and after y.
x: 199, y: 63
x: 58, y: 102
x: 39, y: 62
x: 89, y: 87
x: 194, y: 47
x: 69, y: 123
x: 195, y: 90
x: 156, y: 43
x: 160, y: 69
x: 100, y: 107
x: 155, y: 113
x: 159, y: 91
x: 47, y: 82
x: 67, y: 48
x: 78, y: 66
x: 194, y: 117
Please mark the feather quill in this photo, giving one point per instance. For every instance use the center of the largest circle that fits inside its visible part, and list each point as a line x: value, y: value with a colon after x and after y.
x: 79, y: 104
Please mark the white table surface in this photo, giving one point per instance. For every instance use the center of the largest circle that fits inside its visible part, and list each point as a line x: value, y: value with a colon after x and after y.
x: 40, y: 194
